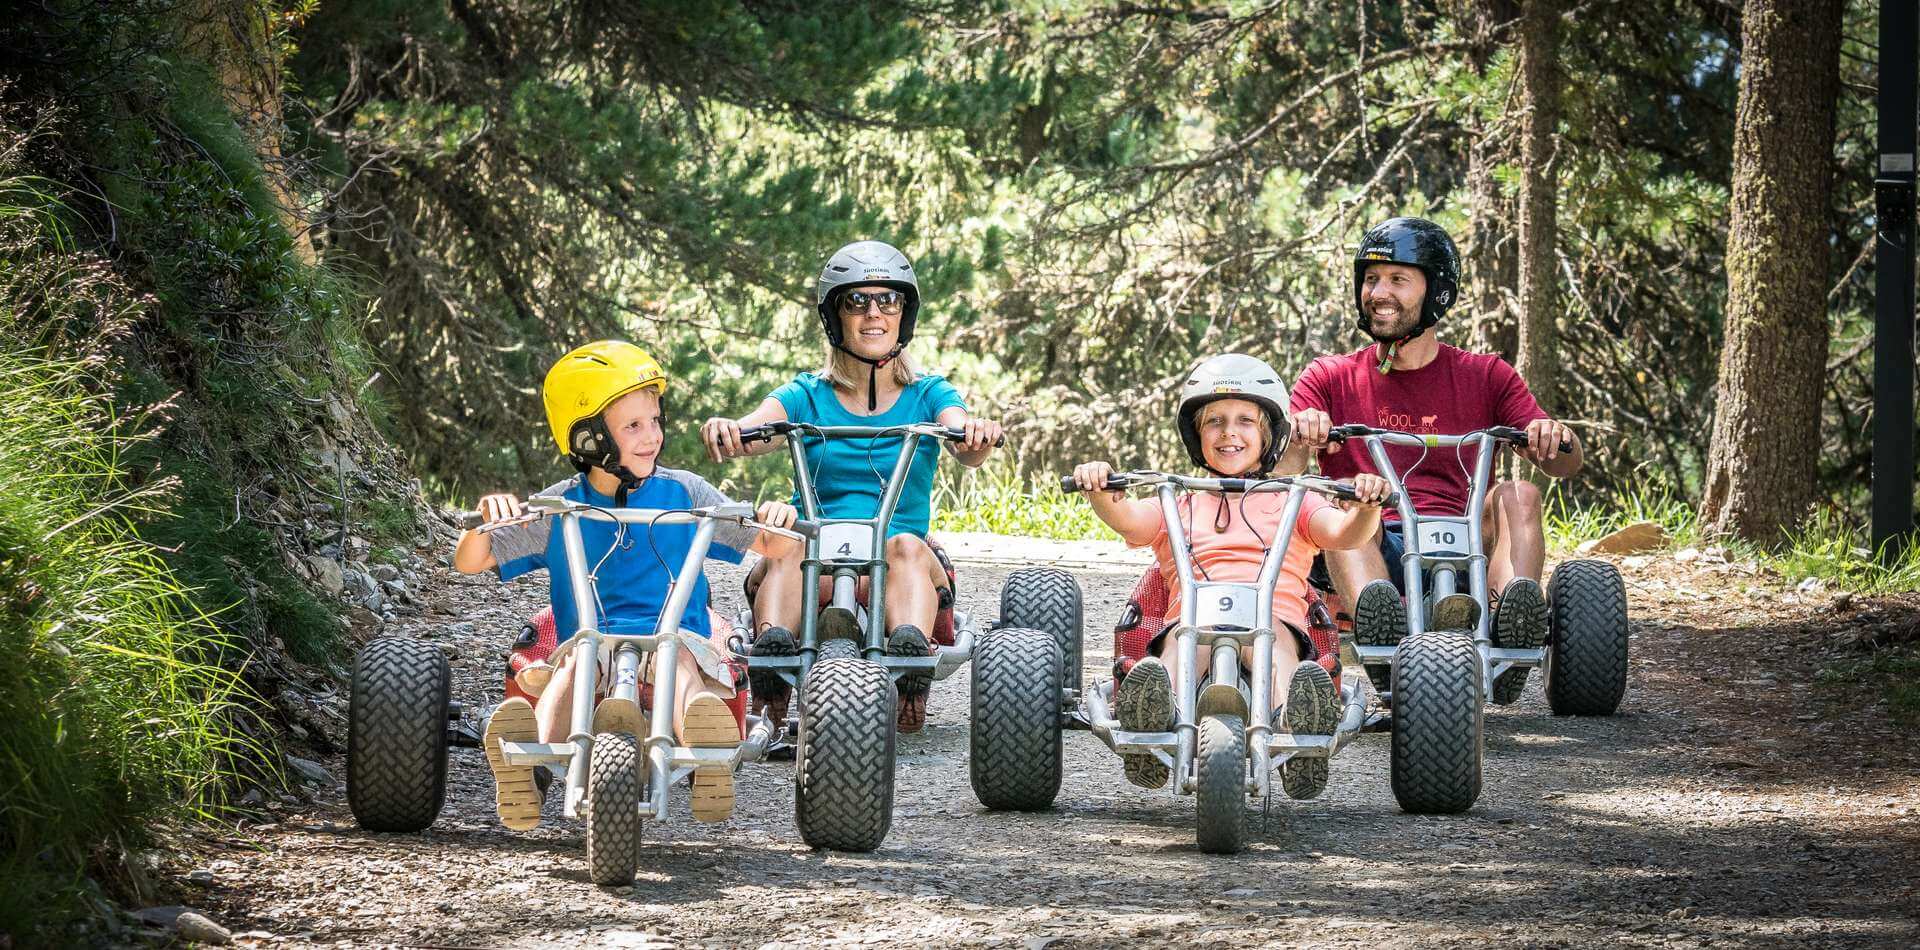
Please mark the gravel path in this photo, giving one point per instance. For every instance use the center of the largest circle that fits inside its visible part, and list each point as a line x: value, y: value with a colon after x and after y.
x: 1733, y: 802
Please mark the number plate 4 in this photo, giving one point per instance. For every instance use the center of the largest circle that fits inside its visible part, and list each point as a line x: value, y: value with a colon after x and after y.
x: 846, y: 542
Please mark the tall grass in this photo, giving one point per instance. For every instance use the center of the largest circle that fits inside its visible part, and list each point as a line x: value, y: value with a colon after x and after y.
x: 993, y: 498
x: 113, y: 711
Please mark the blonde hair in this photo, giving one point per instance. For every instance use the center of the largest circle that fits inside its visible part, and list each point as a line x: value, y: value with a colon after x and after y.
x: 843, y: 371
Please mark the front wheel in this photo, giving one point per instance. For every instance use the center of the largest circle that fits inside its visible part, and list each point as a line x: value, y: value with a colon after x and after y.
x: 1220, y: 792
x: 614, y: 777
x: 1013, y: 741
x: 843, y: 760
x: 1437, y: 722
x: 1587, y: 653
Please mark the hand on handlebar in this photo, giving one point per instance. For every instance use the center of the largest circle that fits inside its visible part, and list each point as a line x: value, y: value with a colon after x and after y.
x: 777, y: 514
x: 1370, y: 491
x: 981, y: 435
x: 1546, y: 439
x: 1314, y: 429
x: 721, y: 436
x: 1091, y: 476
x: 500, y: 507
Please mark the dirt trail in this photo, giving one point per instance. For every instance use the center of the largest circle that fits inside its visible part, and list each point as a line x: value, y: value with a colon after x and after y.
x: 1733, y: 802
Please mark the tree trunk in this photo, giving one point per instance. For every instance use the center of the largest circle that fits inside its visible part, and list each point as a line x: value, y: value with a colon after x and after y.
x: 1766, y: 423
x: 1539, y: 205
x: 1489, y: 262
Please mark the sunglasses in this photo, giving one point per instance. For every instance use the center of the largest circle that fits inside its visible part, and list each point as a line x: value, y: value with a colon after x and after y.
x: 856, y: 301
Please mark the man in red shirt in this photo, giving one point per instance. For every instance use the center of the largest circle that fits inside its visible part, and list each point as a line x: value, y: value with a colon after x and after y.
x: 1405, y: 275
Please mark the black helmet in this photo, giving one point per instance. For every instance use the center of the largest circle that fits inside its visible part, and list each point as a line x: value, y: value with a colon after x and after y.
x: 862, y: 264
x: 1235, y: 376
x: 1419, y: 243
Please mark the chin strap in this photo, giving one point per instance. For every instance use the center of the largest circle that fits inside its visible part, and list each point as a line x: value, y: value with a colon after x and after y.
x: 628, y: 480
x: 873, y: 372
x: 1391, y: 348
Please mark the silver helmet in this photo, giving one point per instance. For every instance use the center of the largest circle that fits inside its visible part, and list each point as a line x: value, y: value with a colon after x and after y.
x: 860, y: 264
x: 1235, y: 376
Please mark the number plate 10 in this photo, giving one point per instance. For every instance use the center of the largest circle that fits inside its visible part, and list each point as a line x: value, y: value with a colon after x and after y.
x: 1442, y: 539
x: 846, y: 542
x: 1224, y: 605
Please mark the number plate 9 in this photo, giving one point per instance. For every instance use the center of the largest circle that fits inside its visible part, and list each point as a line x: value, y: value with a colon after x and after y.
x: 846, y: 542
x: 1224, y: 605
x: 1442, y: 539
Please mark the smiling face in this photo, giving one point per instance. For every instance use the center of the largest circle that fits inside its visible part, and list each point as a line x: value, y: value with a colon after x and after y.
x: 1233, y: 433
x: 870, y: 331
x: 634, y: 420
x: 1392, y: 295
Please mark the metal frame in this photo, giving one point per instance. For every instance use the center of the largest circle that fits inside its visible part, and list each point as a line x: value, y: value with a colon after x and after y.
x: 1446, y: 568
x: 1224, y: 690
x: 843, y: 612
x: 667, y: 761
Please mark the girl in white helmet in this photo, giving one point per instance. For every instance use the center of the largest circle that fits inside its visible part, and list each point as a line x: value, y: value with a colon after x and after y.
x: 1233, y: 422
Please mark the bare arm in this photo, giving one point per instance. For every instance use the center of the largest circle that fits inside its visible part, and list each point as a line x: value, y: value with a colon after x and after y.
x: 1353, y: 524
x: 1136, y: 521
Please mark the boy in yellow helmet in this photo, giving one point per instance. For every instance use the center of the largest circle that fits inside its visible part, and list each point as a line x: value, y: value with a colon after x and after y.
x: 604, y: 403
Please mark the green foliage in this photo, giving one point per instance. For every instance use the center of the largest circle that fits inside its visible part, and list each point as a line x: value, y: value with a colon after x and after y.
x: 1836, y: 553
x: 113, y: 710
x: 1569, y: 522
x: 993, y: 498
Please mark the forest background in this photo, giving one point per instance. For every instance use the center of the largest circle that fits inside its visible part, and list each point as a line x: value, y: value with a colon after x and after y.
x: 278, y: 276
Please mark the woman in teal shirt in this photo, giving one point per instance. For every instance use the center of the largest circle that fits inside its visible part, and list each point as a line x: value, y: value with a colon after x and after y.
x: 868, y: 298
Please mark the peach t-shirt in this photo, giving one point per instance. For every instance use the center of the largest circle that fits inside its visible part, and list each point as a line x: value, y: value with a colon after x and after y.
x: 1234, y: 555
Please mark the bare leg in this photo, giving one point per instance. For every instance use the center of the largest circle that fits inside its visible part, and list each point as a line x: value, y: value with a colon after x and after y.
x: 777, y: 602
x: 554, y: 711
x: 913, y: 579
x: 1512, y: 524
x: 1286, y: 656
x: 1355, y: 568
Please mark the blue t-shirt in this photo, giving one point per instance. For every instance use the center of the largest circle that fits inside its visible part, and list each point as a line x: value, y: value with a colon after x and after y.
x: 850, y: 475
x: 632, y: 579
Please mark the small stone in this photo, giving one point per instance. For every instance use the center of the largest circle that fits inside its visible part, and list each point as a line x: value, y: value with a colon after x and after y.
x: 310, y: 772
x: 326, y: 571
x: 197, y: 928
x: 383, y: 572
x: 200, y: 876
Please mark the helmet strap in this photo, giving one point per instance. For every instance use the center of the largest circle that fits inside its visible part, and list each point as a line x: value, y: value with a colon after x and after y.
x: 873, y: 372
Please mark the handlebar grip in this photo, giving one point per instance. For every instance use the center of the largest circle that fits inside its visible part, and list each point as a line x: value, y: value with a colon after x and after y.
x: 470, y: 519
x: 1114, y: 483
x: 956, y: 434
x: 805, y: 528
x: 759, y: 433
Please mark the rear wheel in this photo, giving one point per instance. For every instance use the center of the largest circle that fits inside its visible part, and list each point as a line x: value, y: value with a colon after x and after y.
x: 1013, y: 740
x: 1587, y: 653
x: 613, y: 809
x: 1048, y: 600
x: 1437, y: 721
x: 397, y: 735
x: 843, y: 761
x: 1220, y: 792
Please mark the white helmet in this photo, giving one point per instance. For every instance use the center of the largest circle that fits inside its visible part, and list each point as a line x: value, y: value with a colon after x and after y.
x: 1235, y: 376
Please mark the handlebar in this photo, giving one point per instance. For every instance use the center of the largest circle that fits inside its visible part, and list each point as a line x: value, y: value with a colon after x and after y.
x: 547, y: 506
x: 767, y: 432
x: 1506, y: 434
x: 1122, y: 481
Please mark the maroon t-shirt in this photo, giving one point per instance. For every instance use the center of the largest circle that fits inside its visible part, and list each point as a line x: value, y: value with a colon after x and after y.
x: 1455, y: 394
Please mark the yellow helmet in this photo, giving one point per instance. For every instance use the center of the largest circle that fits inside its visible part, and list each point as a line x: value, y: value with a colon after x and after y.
x: 580, y: 387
